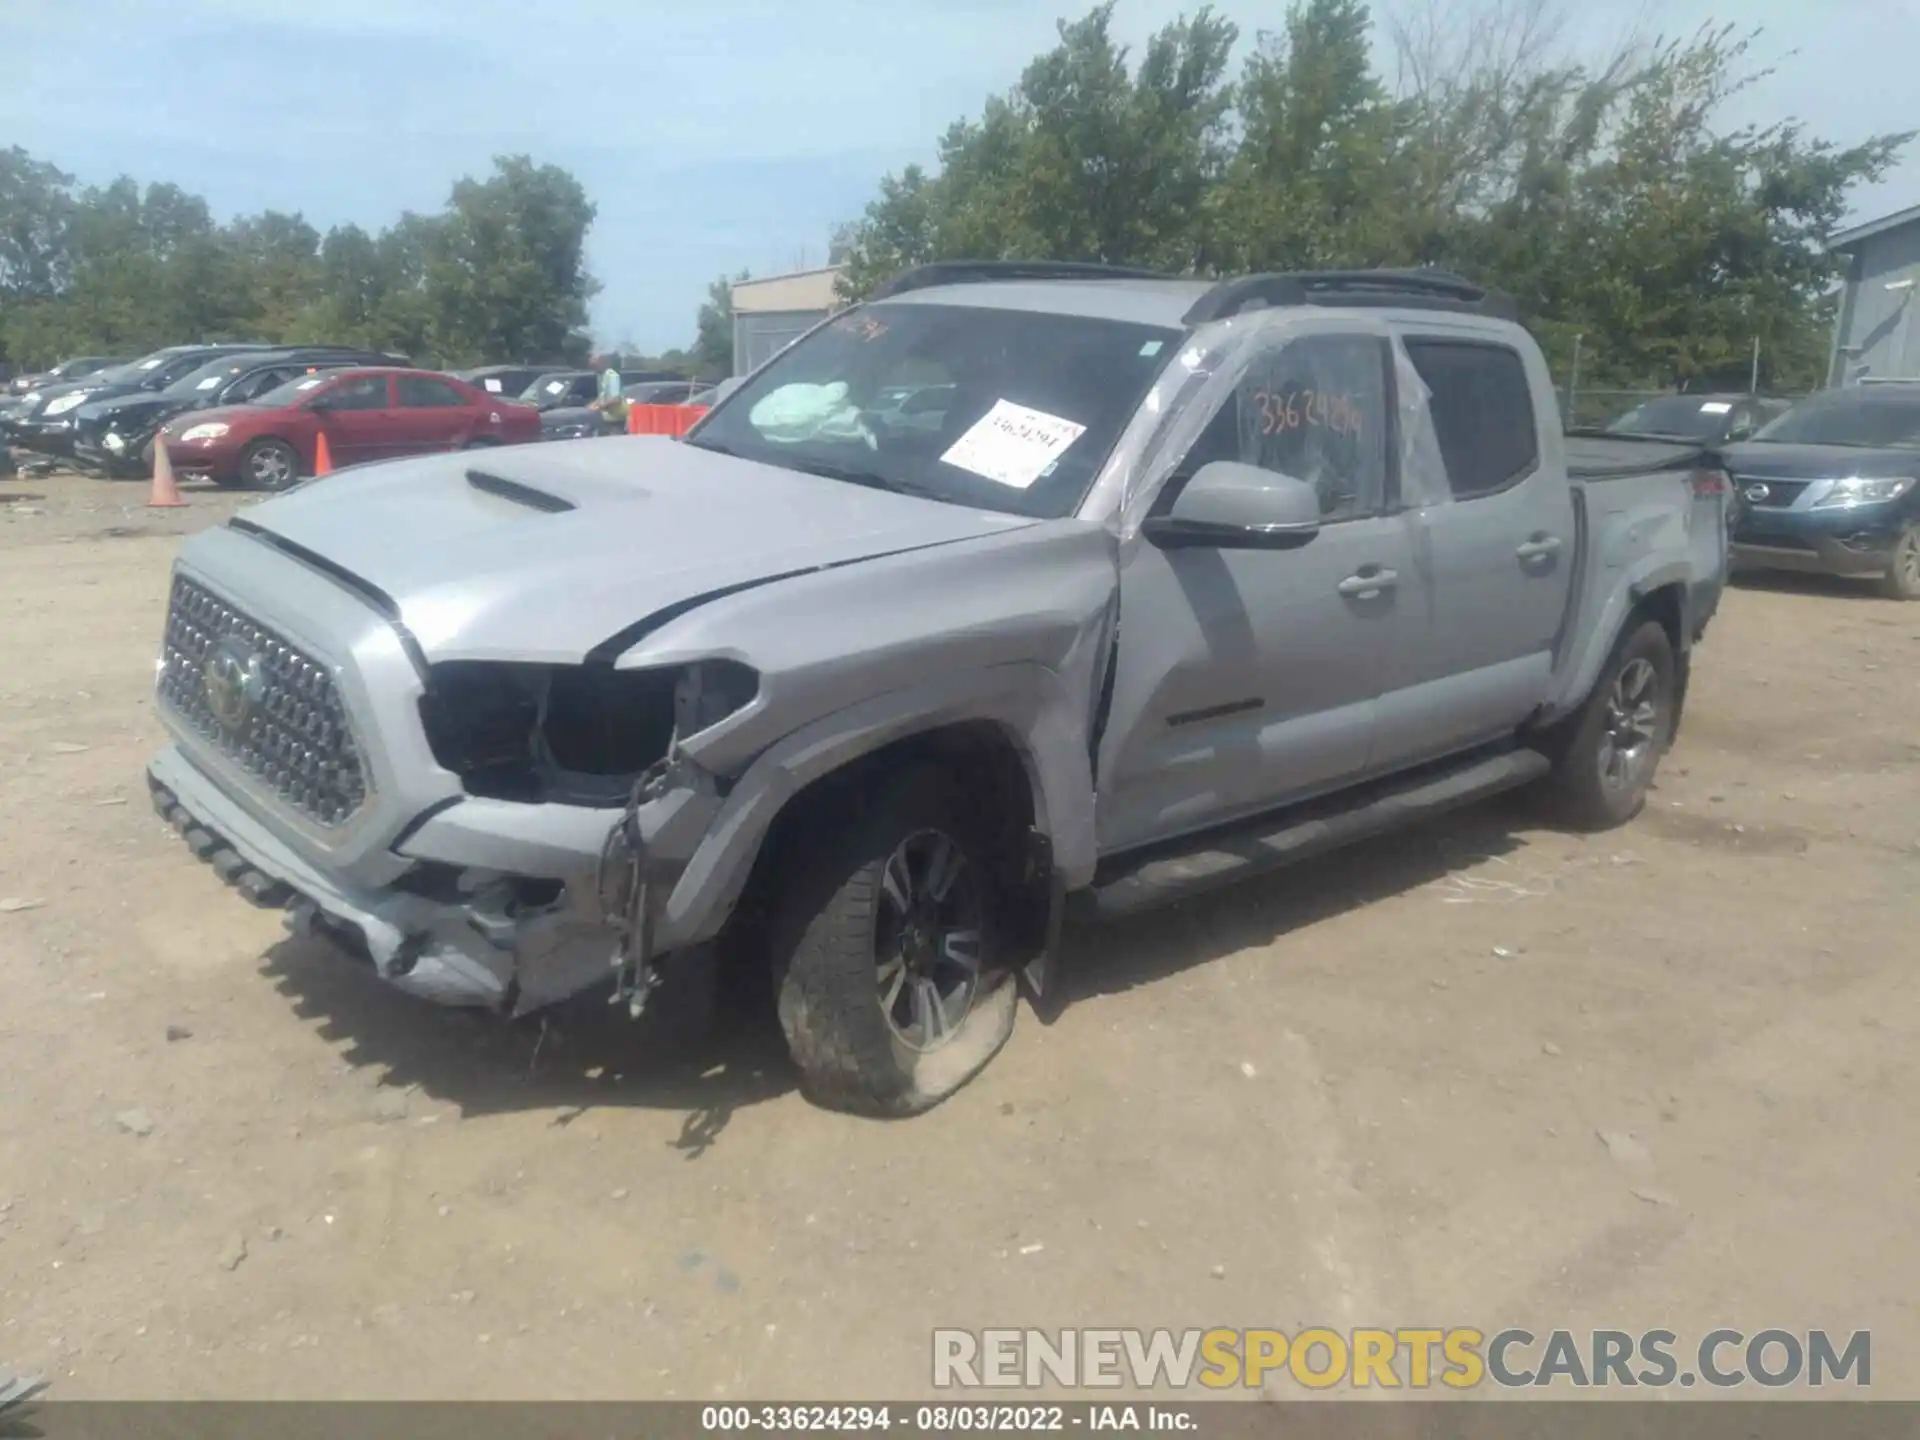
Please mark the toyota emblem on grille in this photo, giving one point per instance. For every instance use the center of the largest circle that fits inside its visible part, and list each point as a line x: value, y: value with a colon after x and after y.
x: 233, y: 683
x: 1757, y: 493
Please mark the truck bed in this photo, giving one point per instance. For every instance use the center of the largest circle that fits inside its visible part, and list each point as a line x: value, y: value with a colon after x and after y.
x: 1593, y: 455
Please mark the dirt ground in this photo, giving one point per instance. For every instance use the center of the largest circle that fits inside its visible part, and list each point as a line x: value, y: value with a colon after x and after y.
x: 1364, y: 1092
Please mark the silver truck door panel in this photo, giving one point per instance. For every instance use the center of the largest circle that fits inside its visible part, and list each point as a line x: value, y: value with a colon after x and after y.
x: 1472, y: 650
x: 1246, y: 678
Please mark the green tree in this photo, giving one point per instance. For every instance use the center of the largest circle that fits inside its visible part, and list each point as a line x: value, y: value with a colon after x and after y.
x: 1085, y: 159
x: 712, y: 353
x: 505, y: 265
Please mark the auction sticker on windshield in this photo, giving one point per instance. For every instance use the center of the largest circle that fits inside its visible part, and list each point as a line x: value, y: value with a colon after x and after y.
x: 1012, y: 445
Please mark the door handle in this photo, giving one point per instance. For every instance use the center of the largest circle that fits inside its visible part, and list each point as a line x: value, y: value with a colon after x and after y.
x: 1368, y: 583
x: 1539, y: 547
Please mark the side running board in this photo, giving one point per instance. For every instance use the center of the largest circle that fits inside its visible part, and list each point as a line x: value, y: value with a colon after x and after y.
x: 1158, y: 876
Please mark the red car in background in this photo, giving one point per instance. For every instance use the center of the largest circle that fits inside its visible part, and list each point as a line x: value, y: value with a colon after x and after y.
x: 365, y: 414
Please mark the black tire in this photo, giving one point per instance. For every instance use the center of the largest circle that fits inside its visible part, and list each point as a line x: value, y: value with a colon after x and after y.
x: 269, y: 464
x: 838, y: 911
x: 1902, y: 580
x: 1602, y: 772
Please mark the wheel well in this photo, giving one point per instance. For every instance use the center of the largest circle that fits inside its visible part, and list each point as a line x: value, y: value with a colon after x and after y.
x: 994, y: 785
x: 1668, y: 605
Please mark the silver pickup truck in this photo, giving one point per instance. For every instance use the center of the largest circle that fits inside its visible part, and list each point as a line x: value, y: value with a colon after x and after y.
x: 1017, y: 590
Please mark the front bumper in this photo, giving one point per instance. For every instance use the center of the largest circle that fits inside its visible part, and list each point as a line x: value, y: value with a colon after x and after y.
x: 48, y: 437
x: 204, y: 459
x: 1852, y: 541
x: 475, y: 945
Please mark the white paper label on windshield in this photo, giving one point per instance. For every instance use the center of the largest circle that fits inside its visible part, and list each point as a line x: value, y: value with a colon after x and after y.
x: 209, y: 382
x: 1715, y: 407
x: 493, y: 386
x: 1012, y: 445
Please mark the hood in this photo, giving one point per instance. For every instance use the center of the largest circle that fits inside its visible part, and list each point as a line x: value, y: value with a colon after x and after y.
x: 546, y: 552
x: 230, y: 414
x: 1760, y: 460
x: 94, y: 391
x: 137, y: 403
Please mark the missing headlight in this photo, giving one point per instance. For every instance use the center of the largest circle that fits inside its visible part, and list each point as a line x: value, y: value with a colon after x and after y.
x: 578, y: 734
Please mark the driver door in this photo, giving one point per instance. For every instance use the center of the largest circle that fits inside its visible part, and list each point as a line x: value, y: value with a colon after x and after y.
x: 357, y: 416
x: 1248, y: 678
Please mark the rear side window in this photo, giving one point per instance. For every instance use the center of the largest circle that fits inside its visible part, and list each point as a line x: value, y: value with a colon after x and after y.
x: 425, y: 392
x: 1482, y: 412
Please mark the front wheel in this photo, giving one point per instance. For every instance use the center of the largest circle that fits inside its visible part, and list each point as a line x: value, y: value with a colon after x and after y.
x: 1606, y: 766
x: 1902, y: 580
x: 885, y: 946
x: 270, y: 464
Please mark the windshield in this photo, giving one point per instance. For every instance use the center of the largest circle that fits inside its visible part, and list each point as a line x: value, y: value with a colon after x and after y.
x: 1016, y: 410
x: 207, y: 377
x: 1684, y: 417
x: 1867, y: 419
x: 293, y: 392
x: 547, y: 388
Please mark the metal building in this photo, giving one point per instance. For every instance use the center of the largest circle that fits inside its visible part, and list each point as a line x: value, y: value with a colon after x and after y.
x: 1876, y: 334
x: 770, y: 314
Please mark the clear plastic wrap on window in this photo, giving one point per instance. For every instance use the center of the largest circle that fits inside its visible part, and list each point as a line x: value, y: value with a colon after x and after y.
x: 1208, y: 370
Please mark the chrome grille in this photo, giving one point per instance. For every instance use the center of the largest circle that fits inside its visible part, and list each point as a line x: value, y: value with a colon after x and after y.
x: 262, y: 703
x: 1778, y: 494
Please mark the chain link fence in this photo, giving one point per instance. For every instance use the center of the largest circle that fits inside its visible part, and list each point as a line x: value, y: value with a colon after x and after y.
x: 1584, y: 408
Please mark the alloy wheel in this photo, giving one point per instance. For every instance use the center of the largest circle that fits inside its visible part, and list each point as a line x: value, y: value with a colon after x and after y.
x: 927, y: 939
x: 1906, y: 559
x: 269, y: 467
x: 1631, y: 729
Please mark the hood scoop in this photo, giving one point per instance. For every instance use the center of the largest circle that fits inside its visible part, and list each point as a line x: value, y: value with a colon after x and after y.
x: 519, y: 493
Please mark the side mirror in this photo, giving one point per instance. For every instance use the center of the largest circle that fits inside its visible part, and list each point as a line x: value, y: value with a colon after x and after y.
x: 1228, y: 505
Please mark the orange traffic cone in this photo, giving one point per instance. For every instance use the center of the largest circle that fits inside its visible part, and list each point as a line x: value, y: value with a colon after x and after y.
x: 166, y: 493
x: 322, y: 460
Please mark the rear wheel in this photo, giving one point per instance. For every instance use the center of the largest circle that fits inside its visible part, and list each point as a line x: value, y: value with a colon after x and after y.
x: 884, y: 946
x: 1607, y: 763
x: 269, y: 464
x: 1902, y: 580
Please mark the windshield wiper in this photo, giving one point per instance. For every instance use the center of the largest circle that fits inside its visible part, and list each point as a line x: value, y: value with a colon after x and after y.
x: 872, y: 479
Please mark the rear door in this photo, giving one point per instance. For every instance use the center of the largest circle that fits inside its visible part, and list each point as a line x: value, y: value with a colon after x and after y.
x: 358, y: 417
x: 1472, y: 653
x: 433, y: 415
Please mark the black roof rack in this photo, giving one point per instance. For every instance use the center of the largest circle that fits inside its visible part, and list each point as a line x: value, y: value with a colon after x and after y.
x: 975, y: 272
x: 1411, y: 289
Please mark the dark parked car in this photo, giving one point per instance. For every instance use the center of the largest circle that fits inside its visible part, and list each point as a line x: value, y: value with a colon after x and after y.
x: 116, y: 434
x: 562, y: 388
x: 1833, y: 487
x: 77, y: 368
x: 577, y: 422
x: 1703, y: 419
x: 658, y: 392
x: 44, y: 419
x: 506, y: 381
x: 364, y: 413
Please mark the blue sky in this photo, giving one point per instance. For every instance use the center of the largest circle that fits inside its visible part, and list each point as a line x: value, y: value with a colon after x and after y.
x: 714, y: 136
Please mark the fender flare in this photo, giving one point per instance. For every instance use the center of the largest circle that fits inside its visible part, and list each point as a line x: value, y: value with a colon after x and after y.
x: 1027, y: 703
x: 1624, y: 599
